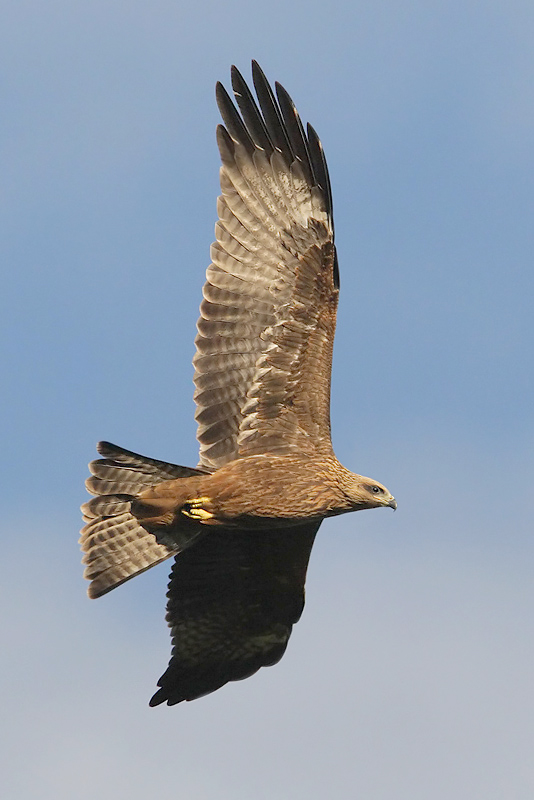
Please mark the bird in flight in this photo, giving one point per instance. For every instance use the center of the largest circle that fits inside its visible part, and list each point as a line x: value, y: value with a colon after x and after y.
x: 241, y: 525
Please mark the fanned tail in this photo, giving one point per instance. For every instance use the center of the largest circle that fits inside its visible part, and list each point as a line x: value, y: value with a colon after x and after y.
x: 116, y: 546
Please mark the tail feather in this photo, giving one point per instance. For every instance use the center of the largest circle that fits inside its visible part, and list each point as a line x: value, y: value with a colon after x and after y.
x: 106, y: 505
x: 127, y: 483
x: 116, y: 549
x: 116, y: 546
x: 162, y: 470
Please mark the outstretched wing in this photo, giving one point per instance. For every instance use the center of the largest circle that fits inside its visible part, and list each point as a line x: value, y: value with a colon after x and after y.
x: 233, y: 599
x: 266, y: 330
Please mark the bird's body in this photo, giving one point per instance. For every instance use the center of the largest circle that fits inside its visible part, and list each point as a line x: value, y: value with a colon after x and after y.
x: 261, y: 491
x: 242, y: 523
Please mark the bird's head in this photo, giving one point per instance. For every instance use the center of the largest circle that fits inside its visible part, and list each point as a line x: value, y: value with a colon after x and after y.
x: 367, y: 493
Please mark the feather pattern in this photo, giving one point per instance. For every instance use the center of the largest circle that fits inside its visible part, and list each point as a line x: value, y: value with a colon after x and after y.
x: 241, y: 526
x: 116, y: 549
x: 267, y: 320
x: 115, y: 545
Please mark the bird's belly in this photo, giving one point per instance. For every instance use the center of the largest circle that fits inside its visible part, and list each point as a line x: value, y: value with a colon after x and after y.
x: 263, y: 498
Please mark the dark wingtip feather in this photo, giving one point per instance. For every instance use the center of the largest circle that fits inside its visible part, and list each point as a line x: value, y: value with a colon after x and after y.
x: 271, y: 113
x: 232, y: 120
x: 272, y: 123
x: 297, y: 137
x: 225, y: 143
x: 320, y: 167
x: 251, y: 114
x: 336, y: 271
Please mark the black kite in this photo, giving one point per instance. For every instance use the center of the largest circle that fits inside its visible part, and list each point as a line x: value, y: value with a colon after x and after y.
x: 242, y: 524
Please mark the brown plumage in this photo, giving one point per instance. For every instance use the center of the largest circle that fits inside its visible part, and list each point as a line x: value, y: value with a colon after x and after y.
x: 242, y: 524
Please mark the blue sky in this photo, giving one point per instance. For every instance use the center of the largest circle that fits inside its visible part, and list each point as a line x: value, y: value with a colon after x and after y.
x: 409, y: 675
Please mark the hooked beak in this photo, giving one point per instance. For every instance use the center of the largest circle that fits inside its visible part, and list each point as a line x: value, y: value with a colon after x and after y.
x: 393, y: 504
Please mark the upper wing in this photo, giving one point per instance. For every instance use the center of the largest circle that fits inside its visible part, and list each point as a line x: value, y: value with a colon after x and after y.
x: 233, y: 599
x: 266, y: 330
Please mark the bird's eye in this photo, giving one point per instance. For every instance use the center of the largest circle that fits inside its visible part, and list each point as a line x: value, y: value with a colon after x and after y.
x: 377, y: 490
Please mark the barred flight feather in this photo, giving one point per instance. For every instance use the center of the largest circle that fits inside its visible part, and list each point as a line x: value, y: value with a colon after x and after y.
x: 273, y: 275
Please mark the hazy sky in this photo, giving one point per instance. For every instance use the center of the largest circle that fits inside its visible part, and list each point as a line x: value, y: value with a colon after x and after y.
x: 409, y: 676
